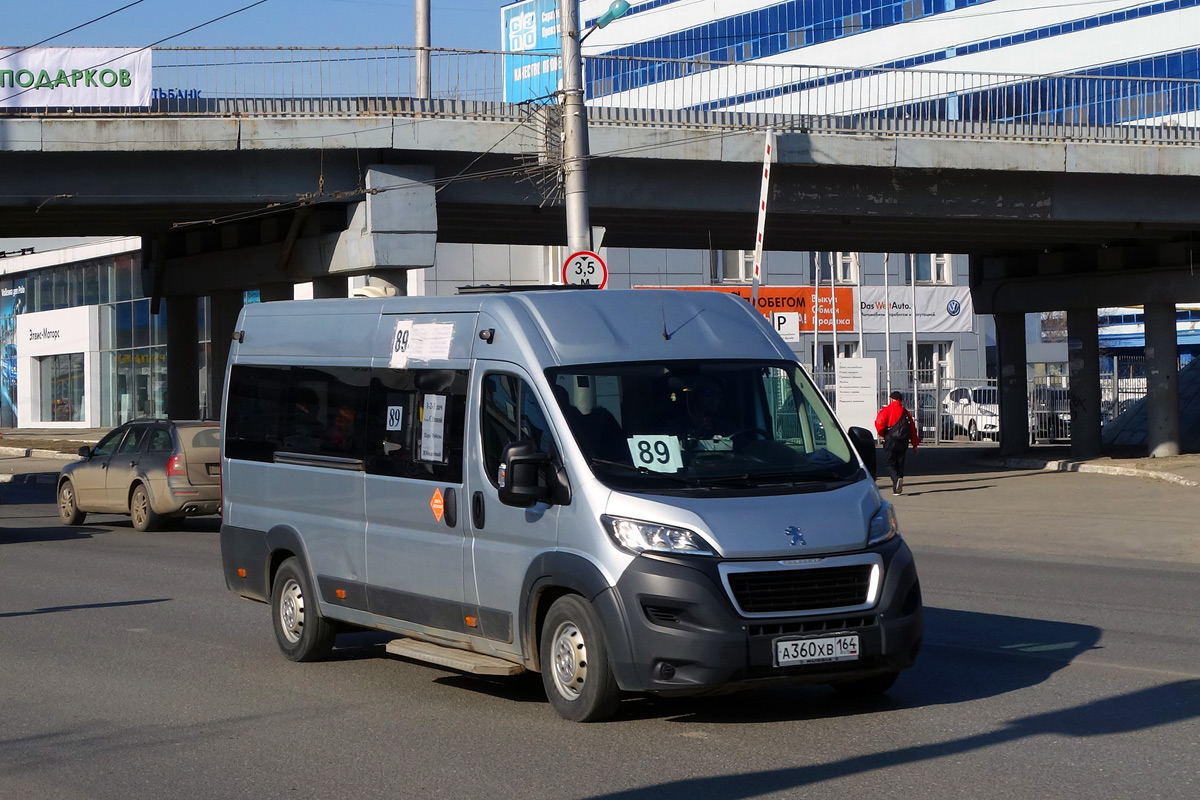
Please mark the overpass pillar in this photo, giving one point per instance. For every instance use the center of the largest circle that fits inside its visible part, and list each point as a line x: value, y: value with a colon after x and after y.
x: 1014, y: 390
x: 183, y: 363
x: 330, y: 286
x: 1083, y: 350
x: 1162, y: 380
x: 225, y: 307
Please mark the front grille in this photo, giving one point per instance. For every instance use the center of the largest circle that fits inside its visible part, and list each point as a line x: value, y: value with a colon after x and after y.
x: 794, y: 590
x: 823, y: 625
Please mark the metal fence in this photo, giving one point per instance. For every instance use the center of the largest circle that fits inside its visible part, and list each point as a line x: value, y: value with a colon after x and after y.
x: 328, y: 81
x: 968, y: 409
x: 1122, y: 384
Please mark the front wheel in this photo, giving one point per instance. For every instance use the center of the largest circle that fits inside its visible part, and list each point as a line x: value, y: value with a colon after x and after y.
x: 302, y: 633
x: 576, y: 672
x: 972, y: 432
x: 68, y: 508
x: 143, y: 516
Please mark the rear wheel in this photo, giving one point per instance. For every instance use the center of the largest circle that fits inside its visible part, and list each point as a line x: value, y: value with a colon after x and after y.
x: 302, y: 633
x: 68, y: 510
x: 143, y: 516
x: 576, y: 672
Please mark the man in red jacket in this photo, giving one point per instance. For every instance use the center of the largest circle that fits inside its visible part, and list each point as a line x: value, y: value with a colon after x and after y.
x: 896, y: 428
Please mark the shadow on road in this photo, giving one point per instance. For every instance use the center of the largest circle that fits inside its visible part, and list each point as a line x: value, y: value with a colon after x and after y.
x: 53, y: 534
x: 966, y: 656
x: 1136, y: 711
x: 82, y: 607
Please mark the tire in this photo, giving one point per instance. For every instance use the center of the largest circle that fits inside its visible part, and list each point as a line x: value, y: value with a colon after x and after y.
x: 972, y: 432
x: 68, y: 510
x: 143, y: 516
x: 302, y: 633
x: 867, y: 687
x: 576, y: 672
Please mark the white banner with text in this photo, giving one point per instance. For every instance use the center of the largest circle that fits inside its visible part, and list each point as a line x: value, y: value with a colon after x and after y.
x: 940, y: 309
x: 74, y: 77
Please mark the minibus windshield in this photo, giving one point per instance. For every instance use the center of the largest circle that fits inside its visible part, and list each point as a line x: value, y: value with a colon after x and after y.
x: 686, y: 426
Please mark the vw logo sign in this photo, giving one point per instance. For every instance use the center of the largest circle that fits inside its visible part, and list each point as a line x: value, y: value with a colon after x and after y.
x: 953, y: 307
x: 796, y: 535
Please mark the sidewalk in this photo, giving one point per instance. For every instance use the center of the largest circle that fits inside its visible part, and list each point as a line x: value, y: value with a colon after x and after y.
x: 55, y: 444
x: 1183, y: 470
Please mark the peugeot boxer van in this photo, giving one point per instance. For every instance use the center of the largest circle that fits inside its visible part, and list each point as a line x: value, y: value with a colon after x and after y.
x: 626, y: 491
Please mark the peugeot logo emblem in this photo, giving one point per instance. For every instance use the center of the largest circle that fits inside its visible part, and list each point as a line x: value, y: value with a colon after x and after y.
x: 796, y: 535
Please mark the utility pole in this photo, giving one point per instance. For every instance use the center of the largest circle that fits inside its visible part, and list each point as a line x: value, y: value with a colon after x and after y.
x: 575, y: 133
x: 424, y: 89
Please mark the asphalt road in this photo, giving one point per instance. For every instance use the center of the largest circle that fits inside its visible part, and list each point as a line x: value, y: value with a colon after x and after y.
x: 1062, y: 659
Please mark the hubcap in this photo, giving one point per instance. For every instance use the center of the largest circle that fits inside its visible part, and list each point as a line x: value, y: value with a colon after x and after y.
x: 139, y: 507
x: 66, y: 501
x: 570, y: 660
x: 291, y: 611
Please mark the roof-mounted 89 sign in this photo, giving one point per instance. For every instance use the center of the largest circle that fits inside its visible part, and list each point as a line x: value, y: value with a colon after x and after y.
x: 585, y: 268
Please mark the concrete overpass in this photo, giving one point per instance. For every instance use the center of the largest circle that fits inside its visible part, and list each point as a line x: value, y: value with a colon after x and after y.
x: 232, y: 203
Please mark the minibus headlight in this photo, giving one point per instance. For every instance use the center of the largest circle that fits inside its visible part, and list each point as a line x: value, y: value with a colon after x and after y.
x: 641, y: 537
x: 883, y: 525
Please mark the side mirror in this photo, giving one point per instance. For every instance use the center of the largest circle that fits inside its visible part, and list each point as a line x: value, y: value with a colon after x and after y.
x: 85, y: 452
x: 522, y: 478
x: 864, y: 442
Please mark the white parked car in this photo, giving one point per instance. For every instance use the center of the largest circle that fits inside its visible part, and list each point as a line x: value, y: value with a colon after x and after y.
x: 975, y: 411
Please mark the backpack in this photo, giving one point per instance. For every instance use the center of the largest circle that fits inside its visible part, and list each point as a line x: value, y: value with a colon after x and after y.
x: 900, y: 434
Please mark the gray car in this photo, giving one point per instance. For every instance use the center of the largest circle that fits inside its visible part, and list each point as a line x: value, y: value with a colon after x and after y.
x: 149, y: 469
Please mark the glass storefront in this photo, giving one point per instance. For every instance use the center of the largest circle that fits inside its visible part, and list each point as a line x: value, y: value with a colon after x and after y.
x: 62, y: 387
x: 133, y: 342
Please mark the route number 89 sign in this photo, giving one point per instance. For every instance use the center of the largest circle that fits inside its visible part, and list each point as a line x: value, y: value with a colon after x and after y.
x: 585, y: 268
x: 656, y: 453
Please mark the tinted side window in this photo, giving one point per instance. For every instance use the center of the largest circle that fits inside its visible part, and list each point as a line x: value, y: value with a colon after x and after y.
x: 511, y: 413
x: 302, y: 410
x: 133, y: 439
x: 416, y: 424
x: 109, y: 443
x: 160, y: 441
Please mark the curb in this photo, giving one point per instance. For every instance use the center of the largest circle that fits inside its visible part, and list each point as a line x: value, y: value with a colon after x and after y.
x: 1081, y: 466
x: 31, y: 453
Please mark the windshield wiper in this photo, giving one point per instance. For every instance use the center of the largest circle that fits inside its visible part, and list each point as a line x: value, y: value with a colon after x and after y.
x: 643, y: 471
x: 799, y: 476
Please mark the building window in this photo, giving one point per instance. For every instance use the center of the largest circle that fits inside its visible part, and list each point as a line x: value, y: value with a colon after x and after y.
x: 62, y: 387
x: 932, y: 268
x: 733, y: 266
x: 843, y: 267
x: 847, y: 267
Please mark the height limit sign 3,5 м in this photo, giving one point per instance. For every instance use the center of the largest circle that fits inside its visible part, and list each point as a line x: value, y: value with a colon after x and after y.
x: 585, y: 268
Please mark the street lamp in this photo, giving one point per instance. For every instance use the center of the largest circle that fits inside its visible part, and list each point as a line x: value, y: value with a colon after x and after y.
x: 575, y: 135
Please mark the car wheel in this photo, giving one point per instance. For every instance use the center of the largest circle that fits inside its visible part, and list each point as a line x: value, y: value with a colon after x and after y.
x: 302, y: 633
x: 867, y: 687
x: 143, y: 516
x: 68, y: 509
x: 972, y: 431
x: 576, y: 672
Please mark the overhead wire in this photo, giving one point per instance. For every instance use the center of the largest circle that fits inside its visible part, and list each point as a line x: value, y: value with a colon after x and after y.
x: 160, y: 41
x: 70, y: 30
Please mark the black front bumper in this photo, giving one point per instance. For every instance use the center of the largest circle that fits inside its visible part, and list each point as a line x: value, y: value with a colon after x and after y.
x: 673, y: 629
